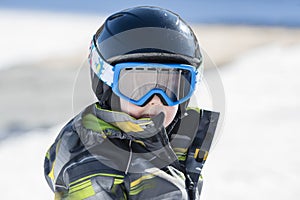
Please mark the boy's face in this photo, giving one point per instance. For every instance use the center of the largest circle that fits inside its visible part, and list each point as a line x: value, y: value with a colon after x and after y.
x: 152, y: 108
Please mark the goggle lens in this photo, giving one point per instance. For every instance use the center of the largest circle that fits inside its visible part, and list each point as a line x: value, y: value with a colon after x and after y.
x: 139, y: 82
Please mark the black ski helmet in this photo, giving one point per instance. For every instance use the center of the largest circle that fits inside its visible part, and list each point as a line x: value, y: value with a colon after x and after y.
x: 143, y: 34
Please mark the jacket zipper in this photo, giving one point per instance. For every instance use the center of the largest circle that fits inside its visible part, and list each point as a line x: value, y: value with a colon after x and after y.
x: 130, y: 157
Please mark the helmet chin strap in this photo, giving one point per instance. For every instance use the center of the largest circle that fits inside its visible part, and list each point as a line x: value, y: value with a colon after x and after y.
x: 114, y: 102
x: 109, y: 100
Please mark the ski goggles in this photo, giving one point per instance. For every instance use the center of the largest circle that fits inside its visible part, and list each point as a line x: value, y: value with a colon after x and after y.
x: 138, y: 82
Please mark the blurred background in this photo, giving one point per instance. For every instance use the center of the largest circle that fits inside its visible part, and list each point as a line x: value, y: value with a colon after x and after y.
x: 254, y: 44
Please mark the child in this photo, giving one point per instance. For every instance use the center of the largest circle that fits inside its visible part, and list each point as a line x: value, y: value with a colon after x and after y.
x: 140, y: 140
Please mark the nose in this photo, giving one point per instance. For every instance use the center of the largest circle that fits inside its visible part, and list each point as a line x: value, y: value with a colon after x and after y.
x: 155, y: 101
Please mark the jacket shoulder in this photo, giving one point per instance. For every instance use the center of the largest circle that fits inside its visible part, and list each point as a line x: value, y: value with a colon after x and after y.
x: 66, y: 143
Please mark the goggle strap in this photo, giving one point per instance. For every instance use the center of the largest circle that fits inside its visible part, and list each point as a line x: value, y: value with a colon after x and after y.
x: 103, y: 69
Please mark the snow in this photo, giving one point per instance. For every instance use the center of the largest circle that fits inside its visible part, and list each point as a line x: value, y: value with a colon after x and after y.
x: 22, y: 160
x: 256, y: 156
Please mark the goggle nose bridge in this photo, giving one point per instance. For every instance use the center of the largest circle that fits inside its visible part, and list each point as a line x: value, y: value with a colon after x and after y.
x: 162, y: 99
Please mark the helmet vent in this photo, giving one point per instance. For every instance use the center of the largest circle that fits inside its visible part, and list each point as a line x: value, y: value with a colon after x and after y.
x: 115, y: 16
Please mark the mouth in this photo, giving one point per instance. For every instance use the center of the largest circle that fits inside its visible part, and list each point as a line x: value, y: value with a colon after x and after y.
x: 151, y: 115
x: 148, y: 115
x: 152, y: 111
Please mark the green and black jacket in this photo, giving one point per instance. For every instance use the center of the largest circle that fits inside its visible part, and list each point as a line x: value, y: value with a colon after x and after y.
x: 102, y: 154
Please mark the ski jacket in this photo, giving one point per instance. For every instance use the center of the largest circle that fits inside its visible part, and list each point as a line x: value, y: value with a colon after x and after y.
x: 102, y: 154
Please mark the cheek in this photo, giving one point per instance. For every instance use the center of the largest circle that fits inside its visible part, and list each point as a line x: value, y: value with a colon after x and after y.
x: 130, y: 108
x: 170, y: 114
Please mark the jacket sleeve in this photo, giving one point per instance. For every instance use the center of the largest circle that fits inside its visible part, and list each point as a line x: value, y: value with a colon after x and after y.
x: 73, y: 174
x: 53, y: 163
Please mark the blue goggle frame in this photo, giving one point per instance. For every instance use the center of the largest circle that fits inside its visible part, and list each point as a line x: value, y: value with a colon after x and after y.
x: 119, y: 67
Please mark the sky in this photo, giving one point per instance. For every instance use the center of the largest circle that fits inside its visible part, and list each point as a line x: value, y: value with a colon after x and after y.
x: 256, y: 12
